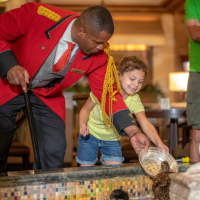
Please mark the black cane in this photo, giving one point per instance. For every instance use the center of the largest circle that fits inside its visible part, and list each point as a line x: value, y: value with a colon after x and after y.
x: 32, y: 130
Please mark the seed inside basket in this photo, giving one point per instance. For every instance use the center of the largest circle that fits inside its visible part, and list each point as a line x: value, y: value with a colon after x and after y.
x: 153, y: 168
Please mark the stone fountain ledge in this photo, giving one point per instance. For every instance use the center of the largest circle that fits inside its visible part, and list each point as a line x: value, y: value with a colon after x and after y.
x: 20, y: 178
x: 185, y: 186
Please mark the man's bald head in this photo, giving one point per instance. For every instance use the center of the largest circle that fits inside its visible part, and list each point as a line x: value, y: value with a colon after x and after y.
x: 97, y: 19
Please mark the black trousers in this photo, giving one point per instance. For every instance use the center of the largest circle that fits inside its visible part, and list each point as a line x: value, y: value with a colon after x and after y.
x: 50, y: 131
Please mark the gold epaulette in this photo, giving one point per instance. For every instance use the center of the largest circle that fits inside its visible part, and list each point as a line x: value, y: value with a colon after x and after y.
x: 49, y: 14
x: 111, y: 77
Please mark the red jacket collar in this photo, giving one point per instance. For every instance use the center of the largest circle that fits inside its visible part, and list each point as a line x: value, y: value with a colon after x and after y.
x: 50, y: 32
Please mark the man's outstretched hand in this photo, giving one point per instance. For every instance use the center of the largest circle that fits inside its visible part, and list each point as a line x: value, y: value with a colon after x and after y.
x: 139, y: 142
x: 17, y: 75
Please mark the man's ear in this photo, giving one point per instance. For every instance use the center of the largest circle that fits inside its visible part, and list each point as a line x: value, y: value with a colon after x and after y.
x: 81, y: 32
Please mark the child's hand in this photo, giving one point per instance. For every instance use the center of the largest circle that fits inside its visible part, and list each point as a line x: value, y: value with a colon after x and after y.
x: 163, y: 147
x: 84, y: 130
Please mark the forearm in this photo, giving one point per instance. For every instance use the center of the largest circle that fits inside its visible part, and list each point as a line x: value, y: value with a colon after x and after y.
x: 131, y: 130
x: 7, y: 61
x: 194, y: 32
x: 152, y: 134
x: 83, y: 116
x: 193, y: 27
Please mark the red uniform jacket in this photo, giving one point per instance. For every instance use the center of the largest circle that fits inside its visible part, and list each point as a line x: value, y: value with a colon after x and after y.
x: 23, y: 33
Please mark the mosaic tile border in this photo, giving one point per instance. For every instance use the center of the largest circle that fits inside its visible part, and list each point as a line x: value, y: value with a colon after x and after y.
x: 73, y: 174
x: 70, y: 174
x: 136, y: 186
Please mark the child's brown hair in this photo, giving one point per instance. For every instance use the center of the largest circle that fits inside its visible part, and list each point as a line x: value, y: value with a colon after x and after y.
x: 130, y: 63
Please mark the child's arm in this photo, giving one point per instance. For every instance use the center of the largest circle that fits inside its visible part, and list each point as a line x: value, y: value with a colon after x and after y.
x: 150, y: 131
x: 84, y: 116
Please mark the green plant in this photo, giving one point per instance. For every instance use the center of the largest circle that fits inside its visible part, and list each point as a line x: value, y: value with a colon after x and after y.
x: 151, y: 91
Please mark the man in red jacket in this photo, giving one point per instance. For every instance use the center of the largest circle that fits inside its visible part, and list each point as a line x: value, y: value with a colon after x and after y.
x: 49, y: 49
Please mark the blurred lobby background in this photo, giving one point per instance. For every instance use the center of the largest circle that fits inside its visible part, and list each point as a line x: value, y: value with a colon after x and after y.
x: 153, y: 30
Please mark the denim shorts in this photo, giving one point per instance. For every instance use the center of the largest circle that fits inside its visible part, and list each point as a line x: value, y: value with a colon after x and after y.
x: 89, y: 146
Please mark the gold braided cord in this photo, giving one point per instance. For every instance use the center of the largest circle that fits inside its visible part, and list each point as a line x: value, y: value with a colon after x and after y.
x: 48, y: 13
x: 111, y: 77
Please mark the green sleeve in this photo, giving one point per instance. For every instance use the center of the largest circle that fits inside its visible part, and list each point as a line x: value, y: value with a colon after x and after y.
x: 135, y: 104
x: 94, y: 99
x: 190, y: 10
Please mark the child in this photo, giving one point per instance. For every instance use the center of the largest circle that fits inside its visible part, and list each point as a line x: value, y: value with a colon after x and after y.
x: 132, y: 73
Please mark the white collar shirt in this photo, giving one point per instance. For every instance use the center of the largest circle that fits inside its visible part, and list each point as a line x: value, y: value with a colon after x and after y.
x: 62, y: 44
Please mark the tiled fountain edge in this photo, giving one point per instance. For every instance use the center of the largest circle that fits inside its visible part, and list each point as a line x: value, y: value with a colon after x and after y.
x: 73, y: 174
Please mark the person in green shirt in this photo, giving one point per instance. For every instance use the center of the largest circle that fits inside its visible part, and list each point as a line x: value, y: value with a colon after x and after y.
x: 192, y: 19
x: 132, y: 72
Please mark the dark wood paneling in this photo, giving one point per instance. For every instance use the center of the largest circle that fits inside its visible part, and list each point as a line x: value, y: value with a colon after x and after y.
x: 179, y: 8
x: 165, y: 3
x: 168, y: 6
x: 2, y: 9
x: 114, y: 8
x: 174, y: 5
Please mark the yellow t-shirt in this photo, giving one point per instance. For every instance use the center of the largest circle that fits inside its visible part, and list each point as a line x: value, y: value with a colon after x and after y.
x: 99, y: 129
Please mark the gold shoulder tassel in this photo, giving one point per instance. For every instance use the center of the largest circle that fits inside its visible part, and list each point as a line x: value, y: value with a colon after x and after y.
x: 111, y: 77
